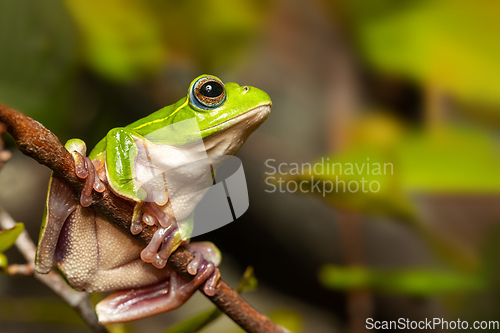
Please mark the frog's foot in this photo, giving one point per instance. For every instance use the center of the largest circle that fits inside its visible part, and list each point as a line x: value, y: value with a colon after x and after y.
x: 127, y: 305
x: 206, y: 254
x: 86, y: 169
x: 167, y: 237
x: 164, y: 242
x: 151, y: 214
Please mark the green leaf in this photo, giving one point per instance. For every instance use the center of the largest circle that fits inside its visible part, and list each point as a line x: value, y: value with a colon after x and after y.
x: 128, y: 40
x: 233, y: 26
x: 376, y: 190
x: 248, y: 281
x: 38, y: 61
x: 291, y: 320
x: 39, y: 311
x: 447, y: 160
x: 195, y: 323
x: 414, y: 282
x: 444, y: 43
x: 122, y: 40
x: 8, y: 236
x: 3, y: 261
x: 486, y: 304
x: 450, y: 160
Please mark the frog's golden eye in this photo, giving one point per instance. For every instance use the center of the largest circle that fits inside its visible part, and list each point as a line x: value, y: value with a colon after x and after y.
x: 210, y: 92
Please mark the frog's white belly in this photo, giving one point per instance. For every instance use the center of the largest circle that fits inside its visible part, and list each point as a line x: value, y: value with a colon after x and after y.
x: 96, y: 255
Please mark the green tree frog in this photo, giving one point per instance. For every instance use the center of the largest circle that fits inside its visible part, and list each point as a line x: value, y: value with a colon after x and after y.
x: 96, y: 256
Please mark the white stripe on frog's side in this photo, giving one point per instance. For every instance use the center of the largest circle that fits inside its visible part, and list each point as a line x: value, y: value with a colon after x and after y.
x: 162, y: 119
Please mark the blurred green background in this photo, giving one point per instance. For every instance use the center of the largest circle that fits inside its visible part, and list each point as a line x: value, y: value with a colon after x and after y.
x: 412, y: 83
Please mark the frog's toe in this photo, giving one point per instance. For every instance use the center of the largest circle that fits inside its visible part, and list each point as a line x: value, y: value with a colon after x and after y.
x: 208, y: 250
x: 161, y: 219
x: 207, y: 270
x: 211, y: 284
x: 86, y: 169
x: 205, y: 253
x: 99, y: 170
x: 150, y: 253
x: 160, y: 197
x: 80, y: 167
x: 92, y: 182
x: 170, y: 244
x: 151, y: 214
x: 149, y: 219
x: 210, y: 273
x: 137, y: 216
x: 193, y: 266
x: 86, y: 195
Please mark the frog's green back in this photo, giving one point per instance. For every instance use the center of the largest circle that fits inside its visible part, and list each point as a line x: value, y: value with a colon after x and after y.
x: 143, y: 126
x: 159, y: 119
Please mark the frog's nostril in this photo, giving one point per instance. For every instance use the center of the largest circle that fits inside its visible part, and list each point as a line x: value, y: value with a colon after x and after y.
x: 245, y: 89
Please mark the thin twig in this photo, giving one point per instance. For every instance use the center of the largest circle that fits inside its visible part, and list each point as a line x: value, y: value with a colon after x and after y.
x: 17, y: 269
x: 5, y: 155
x: 77, y: 300
x: 34, y: 140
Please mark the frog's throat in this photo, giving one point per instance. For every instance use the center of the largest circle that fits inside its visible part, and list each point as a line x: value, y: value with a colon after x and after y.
x: 234, y: 132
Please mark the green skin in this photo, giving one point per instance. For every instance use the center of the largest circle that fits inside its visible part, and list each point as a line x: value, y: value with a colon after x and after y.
x: 94, y: 255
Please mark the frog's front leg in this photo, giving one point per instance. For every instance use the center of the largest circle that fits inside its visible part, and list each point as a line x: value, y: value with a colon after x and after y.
x: 127, y: 305
x: 85, y: 169
x: 134, y: 172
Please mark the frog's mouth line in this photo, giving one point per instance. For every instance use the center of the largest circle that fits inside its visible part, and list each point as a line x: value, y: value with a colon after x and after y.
x: 262, y: 110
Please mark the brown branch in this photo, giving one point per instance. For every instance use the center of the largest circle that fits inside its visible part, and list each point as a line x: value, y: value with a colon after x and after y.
x: 34, y: 140
x: 16, y: 269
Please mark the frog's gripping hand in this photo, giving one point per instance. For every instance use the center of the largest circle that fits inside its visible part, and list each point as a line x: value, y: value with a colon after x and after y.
x: 85, y: 169
x: 142, y: 180
x: 169, y: 294
x: 165, y: 241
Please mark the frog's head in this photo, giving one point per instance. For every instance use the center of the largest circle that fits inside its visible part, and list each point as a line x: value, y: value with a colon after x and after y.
x: 226, y: 113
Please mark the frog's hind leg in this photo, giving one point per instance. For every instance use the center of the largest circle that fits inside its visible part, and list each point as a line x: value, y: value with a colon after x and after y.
x: 127, y: 305
x: 60, y: 205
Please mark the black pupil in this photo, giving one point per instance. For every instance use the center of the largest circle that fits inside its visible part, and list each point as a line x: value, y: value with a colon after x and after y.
x: 211, y: 89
